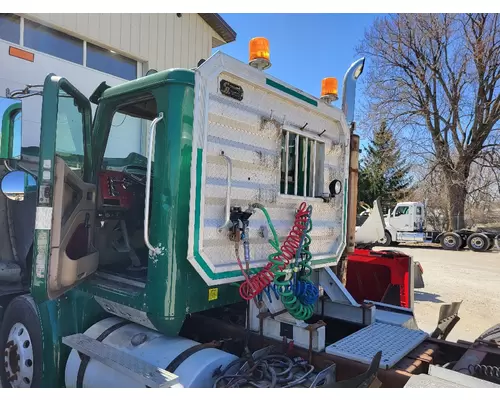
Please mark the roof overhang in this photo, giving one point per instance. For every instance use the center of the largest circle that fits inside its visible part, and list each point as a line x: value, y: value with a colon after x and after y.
x: 217, y: 23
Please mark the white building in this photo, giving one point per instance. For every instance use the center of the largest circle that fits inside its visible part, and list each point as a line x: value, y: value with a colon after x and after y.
x: 88, y: 49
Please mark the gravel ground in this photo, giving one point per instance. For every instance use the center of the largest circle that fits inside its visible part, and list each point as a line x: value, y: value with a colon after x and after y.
x: 454, y: 276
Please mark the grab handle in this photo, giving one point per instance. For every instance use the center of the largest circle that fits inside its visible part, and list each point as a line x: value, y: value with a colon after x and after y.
x: 227, y: 222
x: 152, y: 134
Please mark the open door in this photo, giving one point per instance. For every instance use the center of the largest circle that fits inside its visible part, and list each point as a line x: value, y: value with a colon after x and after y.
x: 64, y: 253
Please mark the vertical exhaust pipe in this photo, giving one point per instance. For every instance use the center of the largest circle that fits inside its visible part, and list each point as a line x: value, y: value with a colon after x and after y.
x: 348, y: 103
x: 349, y: 89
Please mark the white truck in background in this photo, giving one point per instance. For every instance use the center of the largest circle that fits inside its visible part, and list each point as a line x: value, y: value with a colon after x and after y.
x: 406, y: 223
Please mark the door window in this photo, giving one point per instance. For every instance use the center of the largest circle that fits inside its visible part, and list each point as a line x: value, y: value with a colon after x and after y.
x: 401, y: 210
x: 70, y: 132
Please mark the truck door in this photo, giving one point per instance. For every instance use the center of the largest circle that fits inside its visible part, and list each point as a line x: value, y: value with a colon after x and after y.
x: 401, y: 219
x: 66, y: 205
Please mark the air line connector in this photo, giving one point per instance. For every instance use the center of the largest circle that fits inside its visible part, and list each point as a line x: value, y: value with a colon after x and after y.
x: 239, y: 222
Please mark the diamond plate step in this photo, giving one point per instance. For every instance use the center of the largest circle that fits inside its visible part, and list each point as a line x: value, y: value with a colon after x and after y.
x: 424, y: 381
x: 127, y: 364
x: 394, y: 341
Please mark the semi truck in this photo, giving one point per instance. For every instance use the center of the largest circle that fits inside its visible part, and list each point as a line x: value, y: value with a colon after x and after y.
x: 211, y: 260
x: 406, y: 223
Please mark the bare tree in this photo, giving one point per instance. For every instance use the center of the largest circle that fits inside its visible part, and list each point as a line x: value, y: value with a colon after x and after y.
x: 482, y: 206
x: 436, y: 77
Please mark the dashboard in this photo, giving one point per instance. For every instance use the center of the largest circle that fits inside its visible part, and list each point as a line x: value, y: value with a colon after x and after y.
x: 121, y: 191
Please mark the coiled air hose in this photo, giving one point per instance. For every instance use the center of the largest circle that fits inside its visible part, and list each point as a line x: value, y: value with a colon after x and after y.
x: 298, y: 296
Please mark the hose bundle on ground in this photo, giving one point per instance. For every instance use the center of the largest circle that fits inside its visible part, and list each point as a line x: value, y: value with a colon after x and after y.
x: 271, y: 371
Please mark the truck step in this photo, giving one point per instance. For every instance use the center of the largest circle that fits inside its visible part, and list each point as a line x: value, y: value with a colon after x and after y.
x: 394, y: 341
x: 127, y: 364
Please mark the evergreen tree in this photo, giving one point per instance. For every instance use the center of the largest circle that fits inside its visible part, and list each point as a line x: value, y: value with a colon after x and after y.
x: 383, y: 173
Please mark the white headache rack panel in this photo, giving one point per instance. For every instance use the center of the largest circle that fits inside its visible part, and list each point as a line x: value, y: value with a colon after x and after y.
x: 284, y: 147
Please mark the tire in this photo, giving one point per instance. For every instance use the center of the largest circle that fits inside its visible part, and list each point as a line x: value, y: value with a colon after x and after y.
x: 451, y: 241
x: 478, y: 242
x: 21, y: 344
x: 387, y: 240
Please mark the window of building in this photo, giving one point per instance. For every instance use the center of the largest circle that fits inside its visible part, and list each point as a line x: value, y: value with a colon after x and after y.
x: 58, y: 44
x: 10, y: 28
x: 50, y: 41
x: 110, y: 62
x: 302, y: 165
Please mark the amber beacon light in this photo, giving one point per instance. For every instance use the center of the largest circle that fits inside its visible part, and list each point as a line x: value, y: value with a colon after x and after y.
x: 329, y: 90
x: 259, y: 53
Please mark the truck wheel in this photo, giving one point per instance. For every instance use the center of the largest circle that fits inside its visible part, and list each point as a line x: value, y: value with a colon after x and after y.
x: 387, y: 240
x: 21, y: 341
x: 478, y: 242
x: 451, y: 241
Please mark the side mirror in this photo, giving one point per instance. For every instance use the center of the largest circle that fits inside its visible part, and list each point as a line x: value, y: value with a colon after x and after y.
x: 16, y: 184
x: 10, y: 128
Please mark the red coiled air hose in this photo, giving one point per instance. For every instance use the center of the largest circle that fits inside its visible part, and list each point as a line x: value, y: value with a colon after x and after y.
x: 255, y: 284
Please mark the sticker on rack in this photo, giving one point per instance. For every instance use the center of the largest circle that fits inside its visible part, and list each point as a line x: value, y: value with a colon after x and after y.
x: 213, y: 294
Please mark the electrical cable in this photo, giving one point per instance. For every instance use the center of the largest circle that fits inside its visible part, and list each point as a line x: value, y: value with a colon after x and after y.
x: 270, y: 371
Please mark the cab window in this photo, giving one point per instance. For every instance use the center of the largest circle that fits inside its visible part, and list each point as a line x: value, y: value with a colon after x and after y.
x: 401, y: 210
x: 123, y: 146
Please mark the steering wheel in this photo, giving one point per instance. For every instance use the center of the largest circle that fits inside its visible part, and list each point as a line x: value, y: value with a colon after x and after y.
x: 137, y: 178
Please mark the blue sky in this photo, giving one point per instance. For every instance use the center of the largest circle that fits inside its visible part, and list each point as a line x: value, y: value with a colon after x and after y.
x: 300, y: 54
x: 305, y: 48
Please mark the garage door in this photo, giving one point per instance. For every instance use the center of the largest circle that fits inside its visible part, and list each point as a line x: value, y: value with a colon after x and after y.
x: 16, y: 73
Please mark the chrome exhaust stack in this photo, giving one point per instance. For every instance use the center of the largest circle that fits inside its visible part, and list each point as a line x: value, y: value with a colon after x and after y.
x: 349, y: 89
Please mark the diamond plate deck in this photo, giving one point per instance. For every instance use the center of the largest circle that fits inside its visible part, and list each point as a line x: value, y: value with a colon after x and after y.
x: 127, y: 364
x: 394, y: 341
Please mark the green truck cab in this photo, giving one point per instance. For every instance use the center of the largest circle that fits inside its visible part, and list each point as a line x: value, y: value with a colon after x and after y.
x: 68, y: 293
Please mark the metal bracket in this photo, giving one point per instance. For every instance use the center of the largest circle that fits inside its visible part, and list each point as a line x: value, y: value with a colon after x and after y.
x: 448, y: 318
x: 313, y: 328
x: 334, y: 288
x: 125, y: 363
x: 363, y: 314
